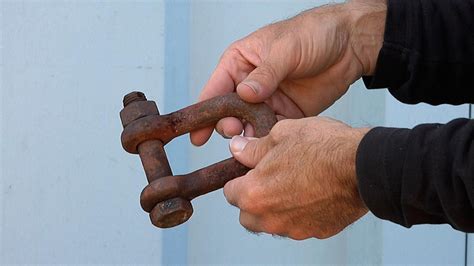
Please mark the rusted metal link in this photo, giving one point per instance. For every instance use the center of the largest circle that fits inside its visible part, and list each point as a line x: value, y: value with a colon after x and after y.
x: 200, y: 115
x: 167, y: 197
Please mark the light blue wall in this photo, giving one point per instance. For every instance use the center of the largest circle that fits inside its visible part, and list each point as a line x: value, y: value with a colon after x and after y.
x: 470, y: 249
x: 69, y: 193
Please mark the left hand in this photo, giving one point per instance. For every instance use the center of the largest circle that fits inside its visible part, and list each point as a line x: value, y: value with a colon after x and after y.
x: 299, y: 66
x: 303, y: 182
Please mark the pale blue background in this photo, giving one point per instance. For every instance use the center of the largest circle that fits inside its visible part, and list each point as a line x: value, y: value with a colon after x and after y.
x: 69, y: 193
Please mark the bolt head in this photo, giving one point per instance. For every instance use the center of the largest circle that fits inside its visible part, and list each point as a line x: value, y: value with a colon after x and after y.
x: 171, y: 213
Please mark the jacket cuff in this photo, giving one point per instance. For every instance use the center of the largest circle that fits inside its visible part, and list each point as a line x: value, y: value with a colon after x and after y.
x: 379, y: 165
x: 391, y: 69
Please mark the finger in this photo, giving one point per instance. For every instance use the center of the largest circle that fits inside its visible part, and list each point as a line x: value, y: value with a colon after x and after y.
x: 220, y: 83
x: 229, y: 127
x: 201, y: 136
x: 283, y: 105
x: 249, y: 130
x: 234, y: 189
x: 249, y: 151
x: 230, y: 71
x: 267, y: 224
x: 262, y: 82
x: 250, y: 222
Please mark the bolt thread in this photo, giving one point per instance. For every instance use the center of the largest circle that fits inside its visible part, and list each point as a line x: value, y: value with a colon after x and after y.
x: 134, y: 96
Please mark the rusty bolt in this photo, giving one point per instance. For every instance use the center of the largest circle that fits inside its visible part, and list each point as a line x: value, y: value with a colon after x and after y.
x: 155, y: 162
x: 133, y: 96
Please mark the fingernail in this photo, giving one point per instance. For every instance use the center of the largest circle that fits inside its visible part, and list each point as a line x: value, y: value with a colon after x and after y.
x: 238, y: 143
x: 224, y: 135
x: 222, y: 132
x: 252, y: 85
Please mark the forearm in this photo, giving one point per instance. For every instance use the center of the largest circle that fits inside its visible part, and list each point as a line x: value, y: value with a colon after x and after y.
x: 428, y: 52
x: 367, y: 31
x: 422, y: 175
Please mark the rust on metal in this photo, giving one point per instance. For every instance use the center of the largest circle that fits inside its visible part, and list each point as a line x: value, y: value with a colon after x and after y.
x: 167, y: 197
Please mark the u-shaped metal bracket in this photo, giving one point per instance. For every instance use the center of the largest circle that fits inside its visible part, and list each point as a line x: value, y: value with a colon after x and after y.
x: 168, y: 197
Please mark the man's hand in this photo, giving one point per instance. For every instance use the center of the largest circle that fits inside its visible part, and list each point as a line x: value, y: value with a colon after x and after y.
x: 299, y: 66
x: 303, y: 182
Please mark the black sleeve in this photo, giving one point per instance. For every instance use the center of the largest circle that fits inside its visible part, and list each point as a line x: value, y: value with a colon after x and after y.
x: 425, y: 174
x: 428, y: 52
x: 420, y: 175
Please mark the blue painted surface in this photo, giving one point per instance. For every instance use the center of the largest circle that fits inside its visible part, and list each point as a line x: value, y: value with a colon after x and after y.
x: 58, y: 54
x: 70, y: 193
x: 177, y: 18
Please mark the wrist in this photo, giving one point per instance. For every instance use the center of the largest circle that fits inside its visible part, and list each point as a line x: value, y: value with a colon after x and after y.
x: 367, y: 27
x: 357, y: 134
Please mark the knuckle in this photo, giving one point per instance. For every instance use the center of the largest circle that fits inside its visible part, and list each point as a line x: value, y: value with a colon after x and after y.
x: 228, y: 192
x: 266, y: 72
x: 254, y: 150
x: 273, y: 227
x: 248, y: 224
x: 237, y: 45
x: 298, y: 235
x: 282, y: 124
x: 323, y: 234
x: 268, y: 69
x: 233, y: 52
x: 244, y: 204
x: 273, y: 137
x: 244, y: 222
x: 250, y: 200
x: 280, y: 129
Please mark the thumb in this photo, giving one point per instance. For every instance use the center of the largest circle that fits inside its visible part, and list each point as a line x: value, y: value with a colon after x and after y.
x: 249, y: 151
x: 261, y: 83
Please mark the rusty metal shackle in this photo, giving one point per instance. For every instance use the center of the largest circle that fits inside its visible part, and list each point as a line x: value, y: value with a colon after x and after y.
x: 168, y: 197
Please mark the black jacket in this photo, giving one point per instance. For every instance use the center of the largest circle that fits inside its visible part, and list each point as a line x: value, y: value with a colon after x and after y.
x: 424, y: 174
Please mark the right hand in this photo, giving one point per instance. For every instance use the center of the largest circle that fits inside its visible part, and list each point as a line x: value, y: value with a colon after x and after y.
x: 299, y: 66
